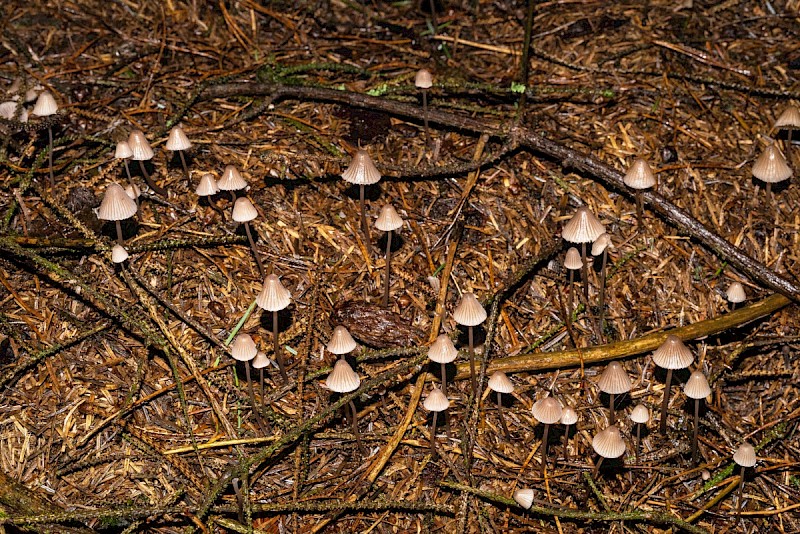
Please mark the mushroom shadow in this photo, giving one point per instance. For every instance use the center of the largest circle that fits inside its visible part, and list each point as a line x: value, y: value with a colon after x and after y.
x: 371, y: 192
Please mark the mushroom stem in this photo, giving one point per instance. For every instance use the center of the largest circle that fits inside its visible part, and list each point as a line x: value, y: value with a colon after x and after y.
x: 694, y: 430
x: 769, y: 192
x: 444, y: 378
x: 544, y: 447
x: 425, y: 116
x: 502, y: 416
x: 355, y: 428
x: 185, y: 169
x: 252, y: 395
x: 639, y: 208
x: 254, y: 250
x: 233, y: 196
x: 120, y: 241
x: 261, y: 383
x: 433, y: 434
x: 568, y: 318
x: 602, y: 301
x: 433, y: 16
x: 472, y: 360
x: 388, y: 268
x: 277, y: 348
x: 611, y: 406
x: 584, y: 272
x: 239, y: 499
x: 566, y: 443
x: 149, y: 180
x: 638, y: 440
x: 740, y: 493
x: 130, y: 181
x: 663, y: 423
x: 597, y: 466
x: 364, y: 226
x: 50, y: 154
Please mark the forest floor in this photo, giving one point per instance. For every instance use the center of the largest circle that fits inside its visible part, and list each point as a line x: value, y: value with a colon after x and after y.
x: 121, y: 408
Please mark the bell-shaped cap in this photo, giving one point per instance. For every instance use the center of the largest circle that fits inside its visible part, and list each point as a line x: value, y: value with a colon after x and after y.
x: 260, y: 361
x: 388, y: 220
x: 469, y: 311
x: 231, y: 179
x: 614, y: 380
x: 273, y: 297
x: 640, y: 414
x: 45, y: 105
x: 341, y: 341
x: 583, y: 227
x: 116, y: 204
x: 442, y: 350
x: 177, y: 139
x: 673, y: 354
x: 207, y: 186
x: 119, y: 254
x: 608, y: 443
x: 244, y: 348
x: 524, y: 497
x: 745, y: 455
x: 569, y: 416
x: 696, y: 386
x: 500, y: 382
x: 436, y: 401
x: 361, y: 170
x: 133, y: 191
x: 547, y: 410
x: 140, y: 147
x: 342, y: 379
x: 423, y: 79
x: 9, y: 109
x: 735, y: 293
x: 640, y: 175
x: 243, y: 210
x: 600, y: 244
x: 572, y: 260
x: 789, y: 119
x: 123, y: 150
x: 771, y: 166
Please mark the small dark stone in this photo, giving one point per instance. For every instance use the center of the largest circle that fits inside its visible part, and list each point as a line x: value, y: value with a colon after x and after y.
x: 375, y: 326
x: 6, y: 353
x: 80, y: 198
x: 217, y: 309
x: 669, y: 154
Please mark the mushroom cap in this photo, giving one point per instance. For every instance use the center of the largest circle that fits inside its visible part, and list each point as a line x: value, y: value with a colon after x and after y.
x: 45, y: 105
x: 423, y: 79
x: 614, y: 380
x: 745, y: 455
x: 600, y: 244
x: 243, y: 348
x: 608, y: 443
x: 260, y: 361
x: 547, y: 410
x: 243, y: 210
x: 696, y: 386
x: 790, y: 118
x: 341, y: 341
x: 133, y: 191
x: 436, y: 401
x: 9, y: 109
x: 583, y: 227
x: 388, y: 219
x: 231, y: 179
x: 123, y: 150
x: 572, y: 260
x: 140, y: 147
x: 116, y: 204
x: 361, y: 170
x: 640, y: 414
x: 640, y: 175
x: 177, y: 139
x: 735, y: 293
x: 771, y: 166
x: 342, y: 379
x: 569, y: 416
x: 673, y: 354
x: 500, y: 382
x: 207, y: 186
x: 273, y: 297
x: 469, y: 311
x: 524, y: 497
x: 442, y: 350
x: 119, y: 254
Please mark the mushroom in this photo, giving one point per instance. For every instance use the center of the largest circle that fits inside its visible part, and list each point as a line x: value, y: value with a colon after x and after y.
x: 640, y: 416
x: 524, y: 497
x: 572, y: 262
x: 243, y: 212
x: 344, y: 380
x: 601, y: 246
x: 119, y: 254
x: 424, y: 81
x: 639, y: 177
x: 614, y: 381
x: 274, y: 298
x: 696, y: 388
x: 260, y: 362
x: 178, y: 142
x: 341, y: 342
x: 771, y: 167
x: 243, y: 350
x: 116, y: 206
x: 735, y: 294
x: 788, y: 120
x: 745, y: 456
x: 547, y: 411
x: 435, y: 402
x: 583, y: 228
x: 500, y: 383
x: 208, y: 188
x: 671, y: 355
x: 442, y: 351
x: 231, y: 181
x: 141, y: 152
x: 388, y: 221
x: 362, y: 172
x: 470, y: 313
x: 46, y: 106
x: 607, y: 443
x: 123, y: 151
x: 568, y: 417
